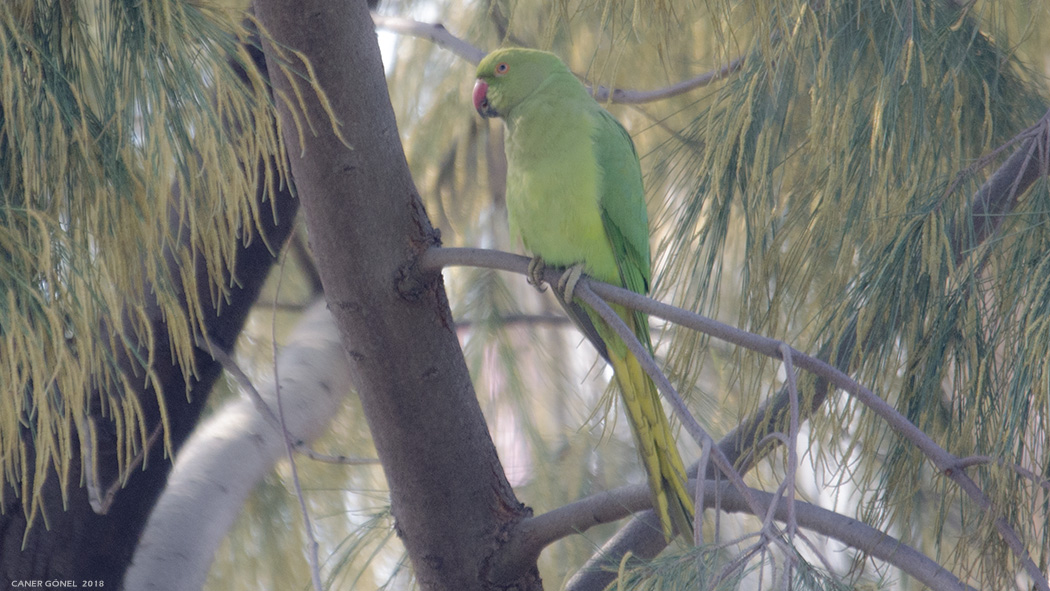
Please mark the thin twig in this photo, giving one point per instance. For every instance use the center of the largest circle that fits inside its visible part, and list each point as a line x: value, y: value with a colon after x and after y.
x: 698, y: 512
x: 313, y: 546
x: 635, y: 97
x: 330, y: 459
x: 739, y: 561
x: 217, y: 353
x: 818, y: 552
x: 230, y: 365
x: 100, y: 503
x: 511, y: 319
x: 586, y: 295
x: 792, y: 447
x: 742, y: 537
x: 792, y: 453
x: 440, y: 36
x: 435, y: 32
x: 968, y: 461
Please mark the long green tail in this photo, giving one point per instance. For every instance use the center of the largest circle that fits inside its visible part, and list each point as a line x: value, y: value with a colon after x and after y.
x: 656, y: 444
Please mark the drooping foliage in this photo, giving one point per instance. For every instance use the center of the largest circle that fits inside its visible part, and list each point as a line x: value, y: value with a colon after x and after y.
x: 123, y: 155
x: 822, y: 193
x: 819, y: 193
x: 843, y: 183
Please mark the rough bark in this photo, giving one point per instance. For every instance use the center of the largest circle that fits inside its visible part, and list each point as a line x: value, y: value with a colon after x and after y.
x: 449, y: 495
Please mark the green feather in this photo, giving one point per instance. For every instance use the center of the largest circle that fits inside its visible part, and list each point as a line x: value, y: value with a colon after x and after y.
x: 575, y: 196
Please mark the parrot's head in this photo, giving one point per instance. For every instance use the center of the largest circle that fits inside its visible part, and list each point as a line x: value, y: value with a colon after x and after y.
x: 506, y: 77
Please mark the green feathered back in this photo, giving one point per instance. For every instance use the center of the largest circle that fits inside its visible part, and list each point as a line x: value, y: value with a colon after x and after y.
x: 575, y: 196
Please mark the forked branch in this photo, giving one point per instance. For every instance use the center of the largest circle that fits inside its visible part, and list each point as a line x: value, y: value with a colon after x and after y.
x: 436, y: 258
x: 538, y: 532
x: 440, y: 36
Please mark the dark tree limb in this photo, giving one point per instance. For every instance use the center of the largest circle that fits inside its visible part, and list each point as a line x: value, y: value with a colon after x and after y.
x: 449, y: 495
x: 998, y: 196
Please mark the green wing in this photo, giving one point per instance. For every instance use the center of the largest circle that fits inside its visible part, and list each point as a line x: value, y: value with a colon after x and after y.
x: 622, y: 201
x: 624, y: 219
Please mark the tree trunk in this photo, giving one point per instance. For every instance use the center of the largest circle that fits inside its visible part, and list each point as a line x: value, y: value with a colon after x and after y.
x: 449, y: 495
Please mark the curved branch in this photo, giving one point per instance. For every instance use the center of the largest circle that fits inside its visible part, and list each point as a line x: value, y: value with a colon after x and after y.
x: 440, y: 36
x: 635, y: 97
x: 851, y: 532
x: 997, y: 197
x: 536, y: 533
x: 945, y: 462
x: 235, y: 448
x: 435, y: 32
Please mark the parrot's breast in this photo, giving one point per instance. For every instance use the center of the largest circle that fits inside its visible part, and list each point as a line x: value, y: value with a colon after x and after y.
x: 553, y: 199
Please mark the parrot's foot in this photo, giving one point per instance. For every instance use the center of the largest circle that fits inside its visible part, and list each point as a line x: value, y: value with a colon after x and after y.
x: 535, y: 273
x: 568, y: 280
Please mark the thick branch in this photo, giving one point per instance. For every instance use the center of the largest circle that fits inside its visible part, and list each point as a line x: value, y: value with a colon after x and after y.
x: 997, y: 197
x: 944, y: 461
x: 234, y: 449
x: 366, y: 223
x: 535, y: 533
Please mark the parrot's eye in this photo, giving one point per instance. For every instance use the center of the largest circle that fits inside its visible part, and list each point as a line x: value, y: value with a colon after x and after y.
x: 502, y: 68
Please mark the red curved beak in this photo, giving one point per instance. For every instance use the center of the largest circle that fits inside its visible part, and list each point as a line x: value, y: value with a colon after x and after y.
x: 481, y: 99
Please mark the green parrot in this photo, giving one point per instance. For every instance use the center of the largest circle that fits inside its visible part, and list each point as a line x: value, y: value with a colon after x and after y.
x: 575, y: 196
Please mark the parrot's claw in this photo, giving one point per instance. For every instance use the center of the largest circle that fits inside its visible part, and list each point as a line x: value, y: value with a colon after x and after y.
x: 568, y: 280
x: 535, y: 273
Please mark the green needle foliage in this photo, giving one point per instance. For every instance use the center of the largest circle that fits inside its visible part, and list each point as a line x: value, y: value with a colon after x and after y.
x: 821, y: 193
x: 116, y: 118
x: 701, y: 568
x: 843, y: 166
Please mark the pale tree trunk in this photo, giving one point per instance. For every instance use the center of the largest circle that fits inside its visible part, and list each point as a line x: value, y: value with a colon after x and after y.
x: 231, y: 452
